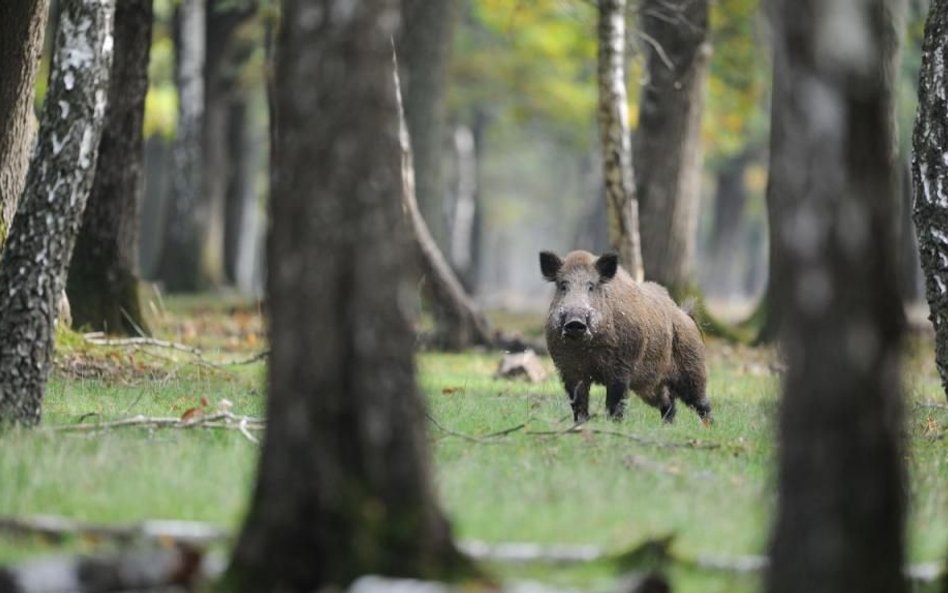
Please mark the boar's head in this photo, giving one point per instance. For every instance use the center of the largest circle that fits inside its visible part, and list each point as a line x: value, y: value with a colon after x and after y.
x: 579, y: 304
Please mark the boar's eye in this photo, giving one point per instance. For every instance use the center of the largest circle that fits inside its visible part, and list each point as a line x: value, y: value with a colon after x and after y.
x: 590, y: 286
x: 563, y: 285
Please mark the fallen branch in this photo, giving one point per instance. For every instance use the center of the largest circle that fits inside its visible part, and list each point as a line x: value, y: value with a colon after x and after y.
x: 218, y: 420
x: 98, y: 340
x: 583, y: 428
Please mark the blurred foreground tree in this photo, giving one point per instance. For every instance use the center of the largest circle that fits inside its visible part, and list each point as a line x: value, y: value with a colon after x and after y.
x: 181, y: 267
x: 668, y: 138
x: 21, y: 42
x: 621, y: 202
x: 930, y: 176
x: 344, y: 486
x: 841, y: 492
x: 103, y: 283
x: 36, y: 257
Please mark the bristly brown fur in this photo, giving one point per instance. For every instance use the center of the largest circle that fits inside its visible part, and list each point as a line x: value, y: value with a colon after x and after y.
x: 638, y: 339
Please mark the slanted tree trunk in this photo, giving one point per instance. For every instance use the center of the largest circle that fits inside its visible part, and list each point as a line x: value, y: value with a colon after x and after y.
x: 459, y: 323
x: 841, y: 488
x: 22, y: 25
x: 667, y: 141
x: 103, y: 276
x: 185, y: 222
x: 35, y: 259
x: 622, y: 205
x: 930, y: 176
x: 344, y: 486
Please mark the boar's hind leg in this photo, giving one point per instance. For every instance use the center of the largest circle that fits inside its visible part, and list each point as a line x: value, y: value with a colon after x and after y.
x: 615, y: 399
x: 665, y: 403
x: 578, y: 392
x: 691, y: 390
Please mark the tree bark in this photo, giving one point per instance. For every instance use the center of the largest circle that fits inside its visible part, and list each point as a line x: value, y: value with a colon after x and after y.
x: 21, y: 43
x: 841, y: 482
x: 465, y: 213
x: 36, y: 257
x: 622, y: 205
x: 344, y: 486
x: 423, y: 50
x: 930, y: 177
x: 224, y: 141
x: 668, y: 138
x: 181, y: 265
x: 103, y: 275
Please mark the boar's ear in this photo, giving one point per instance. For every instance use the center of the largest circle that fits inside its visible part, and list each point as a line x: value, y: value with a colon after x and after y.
x: 550, y: 264
x: 607, y: 265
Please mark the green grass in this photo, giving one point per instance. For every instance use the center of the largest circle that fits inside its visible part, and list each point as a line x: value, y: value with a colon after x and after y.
x: 574, y: 488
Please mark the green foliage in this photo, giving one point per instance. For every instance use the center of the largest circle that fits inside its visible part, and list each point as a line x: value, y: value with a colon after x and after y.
x: 527, y: 62
x: 739, y: 80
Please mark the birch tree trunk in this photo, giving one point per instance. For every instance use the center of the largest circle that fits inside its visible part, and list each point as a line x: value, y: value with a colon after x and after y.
x: 103, y: 276
x: 22, y: 25
x: 668, y: 138
x: 181, y: 264
x: 344, y: 486
x: 622, y: 205
x: 35, y: 260
x: 841, y: 490
x: 930, y: 176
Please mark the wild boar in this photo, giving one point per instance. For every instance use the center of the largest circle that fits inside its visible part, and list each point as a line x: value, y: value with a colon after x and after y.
x: 604, y: 327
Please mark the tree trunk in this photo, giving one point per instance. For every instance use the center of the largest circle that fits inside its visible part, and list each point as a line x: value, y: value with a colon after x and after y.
x: 22, y: 25
x: 930, y: 176
x: 225, y: 109
x: 344, y: 486
x: 667, y: 141
x: 841, y: 489
x: 465, y: 211
x: 423, y: 50
x: 459, y: 324
x: 622, y: 205
x: 181, y: 265
x: 911, y: 277
x: 783, y: 183
x: 723, y: 277
x: 36, y: 257
x: 103, y: 276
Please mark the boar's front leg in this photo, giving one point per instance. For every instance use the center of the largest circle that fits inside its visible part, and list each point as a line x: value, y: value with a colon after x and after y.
x: 616, y: 393
x: 578, y: 392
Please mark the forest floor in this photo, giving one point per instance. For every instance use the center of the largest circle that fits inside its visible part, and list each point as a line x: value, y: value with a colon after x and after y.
x: 608, y: 485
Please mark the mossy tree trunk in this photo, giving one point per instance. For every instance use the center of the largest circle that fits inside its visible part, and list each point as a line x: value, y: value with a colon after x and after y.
x: 22, y: 25
x: 667, y: 153
x: 103, y: 276
x: 930, y: 176
x: 35, y: 260
x: 841, y: 480
x: 344, y: 486
x: 622, y: 206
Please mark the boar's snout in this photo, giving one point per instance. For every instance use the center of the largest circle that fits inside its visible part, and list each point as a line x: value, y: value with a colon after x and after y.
x: 574, y: 324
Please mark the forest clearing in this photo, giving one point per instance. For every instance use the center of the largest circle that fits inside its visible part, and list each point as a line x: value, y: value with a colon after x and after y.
x: 473, y: 296
x: 609, y: 486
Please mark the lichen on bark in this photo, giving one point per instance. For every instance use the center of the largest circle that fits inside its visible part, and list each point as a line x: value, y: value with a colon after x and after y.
x: 36, y: 256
